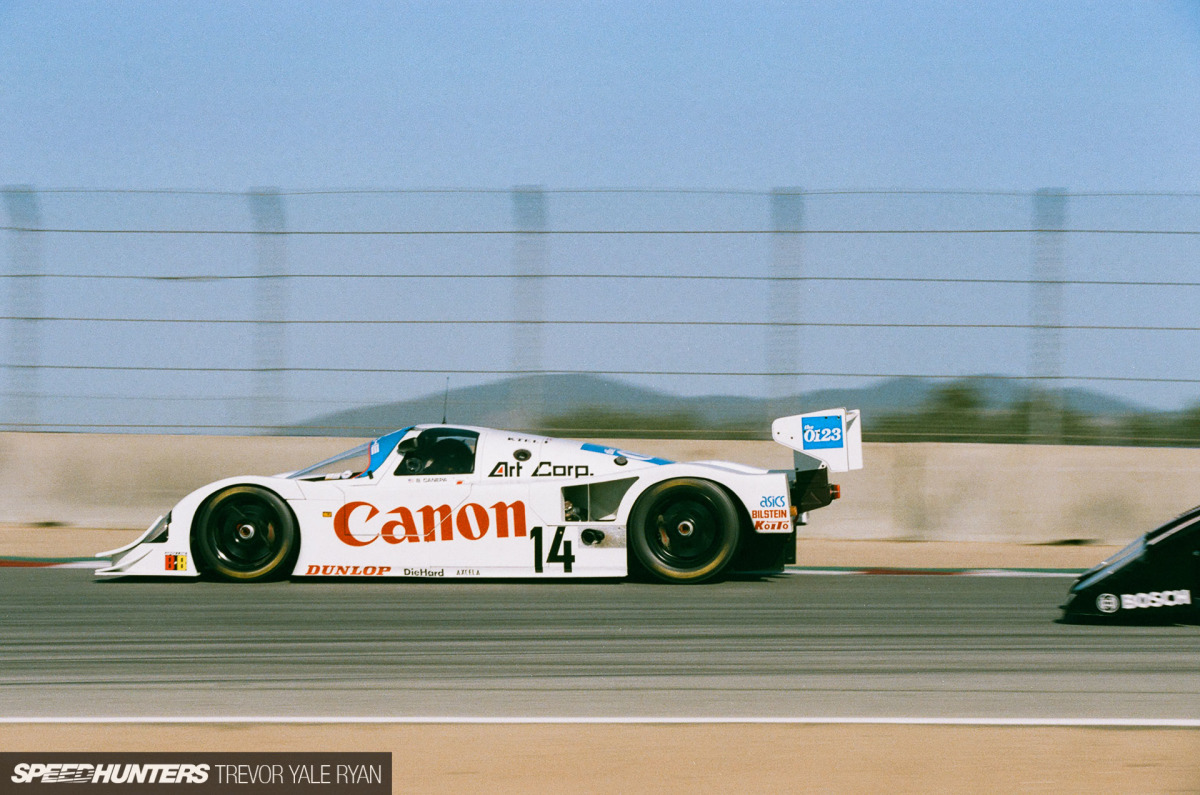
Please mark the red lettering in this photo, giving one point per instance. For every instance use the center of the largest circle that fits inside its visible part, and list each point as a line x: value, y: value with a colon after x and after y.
x: 406, y: 521
x: 343, y: 571
x: 443, y: 514
x: 472, y: 521
x: 469, y: 531
x: 341, y: 523
x: 502, y: 511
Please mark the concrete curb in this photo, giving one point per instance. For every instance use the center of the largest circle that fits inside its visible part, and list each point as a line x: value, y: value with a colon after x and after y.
x: 94, y: 563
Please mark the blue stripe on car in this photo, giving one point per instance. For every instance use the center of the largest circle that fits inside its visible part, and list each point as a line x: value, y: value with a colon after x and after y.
x: 613, y: 451
x: 382, y: 447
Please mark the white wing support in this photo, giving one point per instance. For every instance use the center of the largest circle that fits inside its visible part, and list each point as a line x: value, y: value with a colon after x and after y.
x: 832, y: 437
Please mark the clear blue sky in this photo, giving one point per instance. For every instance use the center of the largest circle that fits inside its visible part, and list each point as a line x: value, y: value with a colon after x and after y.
x: 1101, y: 96
x: 1088, y: 95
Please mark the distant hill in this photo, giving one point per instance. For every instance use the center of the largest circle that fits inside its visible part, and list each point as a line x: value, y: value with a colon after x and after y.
x: 584, y: 403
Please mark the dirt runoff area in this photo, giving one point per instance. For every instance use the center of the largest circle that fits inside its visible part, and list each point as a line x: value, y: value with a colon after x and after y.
x: 696, y: 758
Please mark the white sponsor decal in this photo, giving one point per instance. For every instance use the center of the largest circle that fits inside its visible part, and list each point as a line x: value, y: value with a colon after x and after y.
x: 1108, y: 603
x: 1133, y: 601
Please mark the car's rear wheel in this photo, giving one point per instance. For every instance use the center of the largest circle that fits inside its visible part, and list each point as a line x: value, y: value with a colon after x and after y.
x: 684, y: 530
x: 245, y: 533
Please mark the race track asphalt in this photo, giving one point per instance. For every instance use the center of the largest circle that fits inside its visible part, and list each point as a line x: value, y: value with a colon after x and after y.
x: 794, y: 646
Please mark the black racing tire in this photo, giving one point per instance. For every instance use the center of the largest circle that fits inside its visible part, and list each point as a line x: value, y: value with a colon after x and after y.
x: 245, y: 533
x: 684, y: 530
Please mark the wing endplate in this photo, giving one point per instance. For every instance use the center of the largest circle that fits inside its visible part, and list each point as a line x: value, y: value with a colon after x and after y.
x: 832, y: 437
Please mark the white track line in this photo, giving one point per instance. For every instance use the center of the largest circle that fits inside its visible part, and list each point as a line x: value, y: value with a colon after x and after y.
x: 790, y: 570
x: 1142, y: 723
x: 887, y: 571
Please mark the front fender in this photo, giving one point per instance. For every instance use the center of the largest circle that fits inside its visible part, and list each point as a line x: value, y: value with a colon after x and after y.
x: 170, y: 554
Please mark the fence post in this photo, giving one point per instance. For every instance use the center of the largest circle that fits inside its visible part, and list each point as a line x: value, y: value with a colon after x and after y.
x: 25, y: 307
x: 1045, y: 352
x: 270, y: 306
x: 528, y: 397
x: 783, y: 341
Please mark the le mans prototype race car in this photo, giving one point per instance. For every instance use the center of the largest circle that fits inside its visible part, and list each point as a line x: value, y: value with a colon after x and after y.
x: 1151, y: 580
x: 449, y: 501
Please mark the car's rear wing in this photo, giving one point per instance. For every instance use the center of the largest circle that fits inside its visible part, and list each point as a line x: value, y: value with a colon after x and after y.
x: 832, y: 437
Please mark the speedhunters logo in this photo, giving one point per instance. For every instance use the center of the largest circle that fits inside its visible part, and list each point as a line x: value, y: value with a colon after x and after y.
x: 83, y: 773
x: 250, y: 773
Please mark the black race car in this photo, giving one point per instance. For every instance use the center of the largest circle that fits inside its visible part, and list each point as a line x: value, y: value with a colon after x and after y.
x: 1150, y: 581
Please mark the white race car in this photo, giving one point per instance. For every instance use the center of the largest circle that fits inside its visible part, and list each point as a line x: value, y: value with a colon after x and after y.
x: 453, y: 501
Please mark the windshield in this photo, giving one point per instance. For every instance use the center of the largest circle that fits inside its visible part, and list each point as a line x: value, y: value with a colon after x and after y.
x: 356, y: 462
x: 1117, y: 561
x: 343, y: 465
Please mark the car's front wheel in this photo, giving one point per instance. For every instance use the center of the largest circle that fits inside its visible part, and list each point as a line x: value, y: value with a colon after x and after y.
x: 245, y: 533
x: 684, y: 530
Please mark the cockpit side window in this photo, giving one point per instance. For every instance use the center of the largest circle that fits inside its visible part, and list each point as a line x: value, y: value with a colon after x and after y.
x: 439, y: 451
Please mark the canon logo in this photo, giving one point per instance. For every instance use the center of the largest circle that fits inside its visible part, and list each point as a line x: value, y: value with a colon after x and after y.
x: 428, y: 523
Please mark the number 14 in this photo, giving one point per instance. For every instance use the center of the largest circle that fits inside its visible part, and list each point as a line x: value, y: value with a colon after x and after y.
x: 560, y: 551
